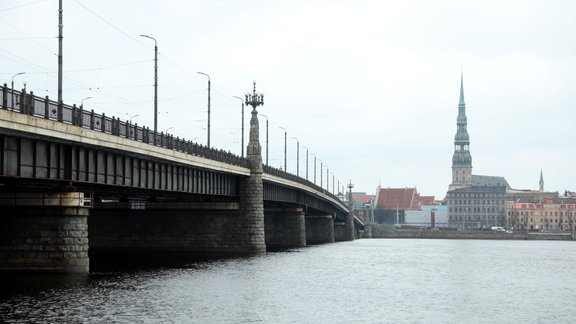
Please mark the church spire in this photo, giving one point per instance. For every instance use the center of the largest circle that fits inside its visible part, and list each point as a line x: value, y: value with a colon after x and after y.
x: 461, y: 160
x: 461, y: 89
x: 541, y: 181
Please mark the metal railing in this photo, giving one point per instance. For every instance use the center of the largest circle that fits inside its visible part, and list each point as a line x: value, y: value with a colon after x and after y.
x: 29, y: 104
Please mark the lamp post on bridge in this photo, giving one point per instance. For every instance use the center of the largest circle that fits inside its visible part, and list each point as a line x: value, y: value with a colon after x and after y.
x: 82, y: 102
x: 314, y: 167
x: 155, y: 82
x: 208, y: 142
x: 242, y: 125
x: 266, y: 137
x: 12, y: 84
x: 306, y: 161
x: 297, y: 156
x: 321, y: 177
x: 285, y: 142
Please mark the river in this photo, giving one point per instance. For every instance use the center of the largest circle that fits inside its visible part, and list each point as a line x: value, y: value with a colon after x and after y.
x: 365, y: 281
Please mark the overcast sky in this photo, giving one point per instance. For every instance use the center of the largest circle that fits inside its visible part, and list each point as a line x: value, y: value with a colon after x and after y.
x: 370, y: 87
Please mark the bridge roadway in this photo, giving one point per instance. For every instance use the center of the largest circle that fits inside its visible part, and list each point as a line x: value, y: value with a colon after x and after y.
x: 76, y: 185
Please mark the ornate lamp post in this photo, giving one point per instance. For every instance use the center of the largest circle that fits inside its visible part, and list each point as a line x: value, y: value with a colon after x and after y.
x: 155, y: 82
x: 266, y: 137
x: 242, y: 125
x: 208, y: 143
x: 350, y: 186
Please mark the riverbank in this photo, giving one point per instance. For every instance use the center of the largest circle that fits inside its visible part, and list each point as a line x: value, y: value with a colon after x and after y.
x: 381, y: 231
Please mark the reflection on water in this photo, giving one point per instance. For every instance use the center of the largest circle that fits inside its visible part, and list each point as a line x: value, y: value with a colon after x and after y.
x: 373, y: 281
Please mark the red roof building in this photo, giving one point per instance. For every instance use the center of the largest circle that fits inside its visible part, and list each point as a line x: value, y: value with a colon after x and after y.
x: 397, y: 198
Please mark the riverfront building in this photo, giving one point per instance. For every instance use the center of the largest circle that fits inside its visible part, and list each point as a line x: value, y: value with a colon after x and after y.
x: 542, y: 214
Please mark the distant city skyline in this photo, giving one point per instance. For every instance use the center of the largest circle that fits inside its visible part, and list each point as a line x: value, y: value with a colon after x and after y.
x: 370, y: 87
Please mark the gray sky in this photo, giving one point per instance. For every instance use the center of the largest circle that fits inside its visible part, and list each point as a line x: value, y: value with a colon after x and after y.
x: 370, y: 87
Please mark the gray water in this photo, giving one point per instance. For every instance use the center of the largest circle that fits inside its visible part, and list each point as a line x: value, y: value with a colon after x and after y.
x: 369, y: 281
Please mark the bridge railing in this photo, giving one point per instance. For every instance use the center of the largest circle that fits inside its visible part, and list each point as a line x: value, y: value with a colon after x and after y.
x: 28, y: 103
x: 280, y: 173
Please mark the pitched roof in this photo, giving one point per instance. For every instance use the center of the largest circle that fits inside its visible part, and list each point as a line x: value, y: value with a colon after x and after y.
x: 482, y: 180
x: 401, y: 198
x: 362, y: 196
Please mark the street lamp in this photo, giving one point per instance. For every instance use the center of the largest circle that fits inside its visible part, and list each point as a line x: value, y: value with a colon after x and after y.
x: 208, y: 143
x: 327, y: 178
x: 320, y: 173
x: 314, y: 167
x: 285, y: 137
x: 242, y: 100
x: 167, y: 129
x: 155, y: 82
x: 306, y: 161
x: 15, y: 75
x: 266, y: 137
x: 132, y: 117
x: 82, y: 102
x: 297, y: 156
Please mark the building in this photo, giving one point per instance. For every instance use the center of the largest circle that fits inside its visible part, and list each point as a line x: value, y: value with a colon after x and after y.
x: 474, y: 201
x: 477, y: 207
x: 551, y: 214
x: 392, y: 204
x: 361, y: 204
x: 428, y: 216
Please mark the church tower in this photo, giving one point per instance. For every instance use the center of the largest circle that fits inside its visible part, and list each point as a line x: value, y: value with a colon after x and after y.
x: 461, y: 160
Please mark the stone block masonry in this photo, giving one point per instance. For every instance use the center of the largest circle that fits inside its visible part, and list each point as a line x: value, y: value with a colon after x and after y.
x: 285, y: 228
x: 319, y: 229
x: 44, y: 239
x: 181, y: 232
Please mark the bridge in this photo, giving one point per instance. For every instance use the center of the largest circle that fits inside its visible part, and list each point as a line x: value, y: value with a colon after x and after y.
x: 76, y: 185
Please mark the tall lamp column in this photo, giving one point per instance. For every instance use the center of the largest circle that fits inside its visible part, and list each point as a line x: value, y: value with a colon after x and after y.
x: 306, y: 161
x: 12, y: 84
x: 266, y: 137
x: 297, y: 156
x: 242, y: 125
x: 155, y: 82
x: 208, y: 142
x: 285, y: 142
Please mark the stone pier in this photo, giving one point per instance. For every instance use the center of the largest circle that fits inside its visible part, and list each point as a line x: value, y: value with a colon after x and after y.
x: 344, y: 231
x: 319, y: 229
x: 285, y: 228
x: 44, y: 232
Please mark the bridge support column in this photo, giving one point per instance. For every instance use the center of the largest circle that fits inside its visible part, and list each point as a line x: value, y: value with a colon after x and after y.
x: 319, y: 229
x: 345, y: 231
x: 367, y: 231
x: 285, y: 228
x: 44, y: 232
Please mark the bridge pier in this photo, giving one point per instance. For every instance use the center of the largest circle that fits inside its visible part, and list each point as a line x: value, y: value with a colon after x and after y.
x: 284, y: 228
x: 175, y: 229
x: 44, y: 232
x: 344, y: 231
x: 319, y: 229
